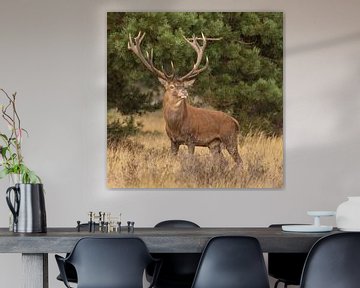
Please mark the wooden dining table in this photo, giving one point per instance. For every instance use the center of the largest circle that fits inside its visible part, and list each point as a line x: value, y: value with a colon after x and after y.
x: 35, y: 247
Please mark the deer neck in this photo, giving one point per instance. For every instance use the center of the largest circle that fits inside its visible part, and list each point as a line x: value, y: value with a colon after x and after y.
x: 174, y: 112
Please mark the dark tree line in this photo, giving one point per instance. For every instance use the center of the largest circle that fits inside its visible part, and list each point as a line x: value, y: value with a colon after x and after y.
x: 245, y: 74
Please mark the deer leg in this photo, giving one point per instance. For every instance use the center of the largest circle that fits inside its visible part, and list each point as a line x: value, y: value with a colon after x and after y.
x: 235, y: 155
x: 231, y: 147
x: 215, y: 150
x: 174, y: 147
x: 191, y: 148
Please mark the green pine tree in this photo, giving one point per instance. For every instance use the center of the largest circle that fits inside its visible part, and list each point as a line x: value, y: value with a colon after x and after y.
x: 245, y: 74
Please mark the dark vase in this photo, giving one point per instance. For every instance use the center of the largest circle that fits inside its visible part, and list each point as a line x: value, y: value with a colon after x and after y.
x: 27, y: 204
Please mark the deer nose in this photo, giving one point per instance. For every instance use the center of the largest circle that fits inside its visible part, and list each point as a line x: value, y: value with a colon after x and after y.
x: 183, y: 94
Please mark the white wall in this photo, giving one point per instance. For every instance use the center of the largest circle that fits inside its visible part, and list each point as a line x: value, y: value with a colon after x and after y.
x: 53, y: 53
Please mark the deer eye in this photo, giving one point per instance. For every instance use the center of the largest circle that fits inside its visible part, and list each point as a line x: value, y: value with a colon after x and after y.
x: 171, y: 87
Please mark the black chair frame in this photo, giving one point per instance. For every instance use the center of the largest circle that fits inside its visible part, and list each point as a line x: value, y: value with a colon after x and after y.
x: 286, y: 267
x: 333, y: 262
x: 178, y: 269
x: 108, y: 262
x: 232, y: 261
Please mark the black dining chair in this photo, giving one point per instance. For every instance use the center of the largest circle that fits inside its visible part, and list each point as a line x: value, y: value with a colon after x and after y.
x: 333, y: 262
x: 178, y: 269
x: 232, y: 262
x: 285, y: 267
x: 70, y: 271
x: 108, y: 263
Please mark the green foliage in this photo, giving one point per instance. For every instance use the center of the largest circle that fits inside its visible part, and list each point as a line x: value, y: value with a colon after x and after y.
x: 245, y: 75
x: 11, y: 159
x: 26, y: 175
x: 118, y: 130
x: 11, y: 163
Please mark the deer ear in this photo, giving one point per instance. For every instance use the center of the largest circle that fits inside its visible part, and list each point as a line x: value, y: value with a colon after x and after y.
x: 163, y: 82
x: 189, y: 83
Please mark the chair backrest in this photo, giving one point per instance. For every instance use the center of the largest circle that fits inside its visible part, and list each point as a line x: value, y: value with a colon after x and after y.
x: 110, y: 262
x: 232, y: 262
x: 287, y: 267
x: 176, y: 224
x: 333, y: 262
x: 178, y: 269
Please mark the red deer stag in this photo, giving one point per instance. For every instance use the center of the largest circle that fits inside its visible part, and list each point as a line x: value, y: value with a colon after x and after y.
x: 186, y: 124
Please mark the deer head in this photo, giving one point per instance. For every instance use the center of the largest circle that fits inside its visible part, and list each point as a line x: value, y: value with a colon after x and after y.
x: 172, y: 83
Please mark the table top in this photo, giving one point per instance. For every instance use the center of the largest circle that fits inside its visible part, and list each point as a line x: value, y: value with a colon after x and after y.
x: 158, y: 240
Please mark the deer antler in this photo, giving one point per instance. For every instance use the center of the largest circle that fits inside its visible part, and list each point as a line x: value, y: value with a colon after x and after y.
x: 135, y: 43
x: 199, y: 49
x: 148, y: 59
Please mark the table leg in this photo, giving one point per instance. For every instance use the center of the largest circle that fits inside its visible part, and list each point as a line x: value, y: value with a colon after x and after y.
x: 35, y: 270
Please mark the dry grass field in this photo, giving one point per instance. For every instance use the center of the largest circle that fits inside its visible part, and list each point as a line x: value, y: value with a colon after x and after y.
x: 145, y: 161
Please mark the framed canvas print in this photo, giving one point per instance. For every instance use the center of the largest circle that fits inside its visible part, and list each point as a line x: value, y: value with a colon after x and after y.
x: 195, y: 100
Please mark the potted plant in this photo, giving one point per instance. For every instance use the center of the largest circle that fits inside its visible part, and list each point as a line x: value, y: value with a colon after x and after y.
x: 12, y: 161
x: 26, y: 198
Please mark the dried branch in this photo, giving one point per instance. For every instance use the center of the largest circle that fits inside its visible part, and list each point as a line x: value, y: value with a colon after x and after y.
x: 207, y: 38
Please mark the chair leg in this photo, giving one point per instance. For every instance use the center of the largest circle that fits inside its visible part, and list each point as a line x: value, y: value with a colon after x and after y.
x: 279, y: 281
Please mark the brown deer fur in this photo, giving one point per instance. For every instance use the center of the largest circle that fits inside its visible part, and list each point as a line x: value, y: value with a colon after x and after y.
x: 194, y: 126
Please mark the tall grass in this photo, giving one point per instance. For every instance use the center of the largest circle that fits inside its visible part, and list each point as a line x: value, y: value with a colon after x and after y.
x: 145, y: 161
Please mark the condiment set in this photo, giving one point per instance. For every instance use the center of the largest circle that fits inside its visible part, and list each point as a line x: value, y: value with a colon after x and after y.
x: 104, y: 222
